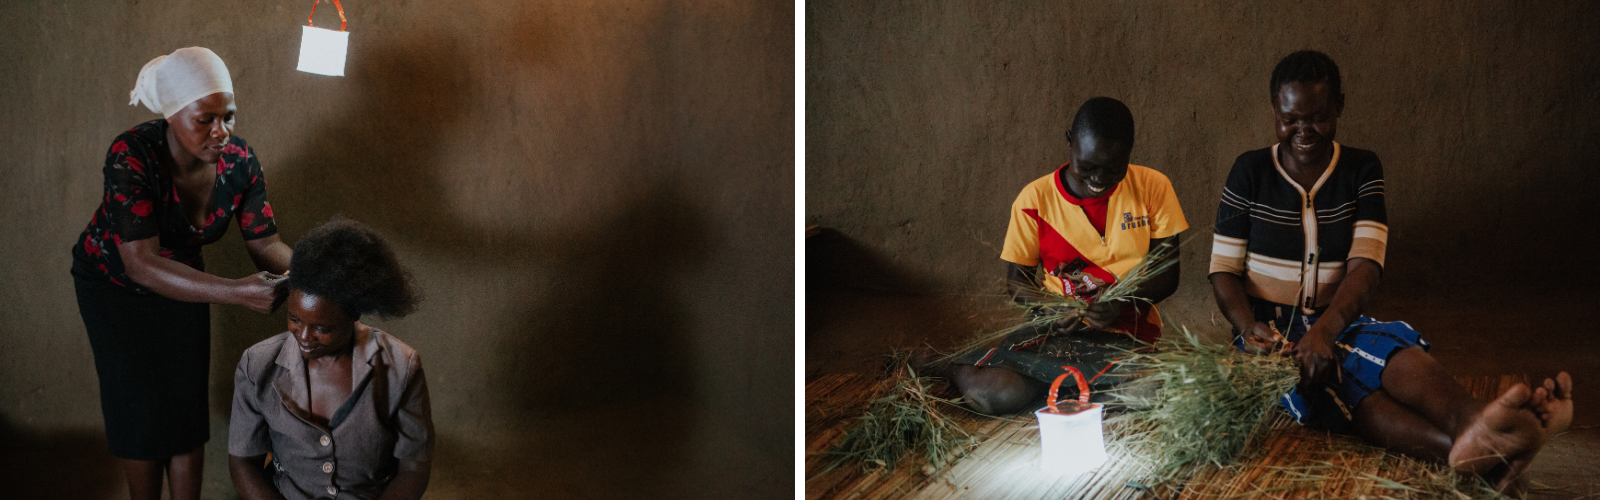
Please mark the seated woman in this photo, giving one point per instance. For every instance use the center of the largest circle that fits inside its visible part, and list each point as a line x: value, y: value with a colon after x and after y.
x: 1299, y: 249
x: 341, y: 406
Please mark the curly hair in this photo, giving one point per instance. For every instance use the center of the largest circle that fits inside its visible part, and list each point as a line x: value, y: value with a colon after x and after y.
x: 1306, y: 66
x: 353, y: 266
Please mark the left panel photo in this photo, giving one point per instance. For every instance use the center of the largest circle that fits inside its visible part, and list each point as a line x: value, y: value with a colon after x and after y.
x: 350, y: 249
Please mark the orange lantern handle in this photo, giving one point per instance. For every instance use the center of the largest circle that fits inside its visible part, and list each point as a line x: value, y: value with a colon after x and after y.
x: 342, y: 21
x: 1083, y: 387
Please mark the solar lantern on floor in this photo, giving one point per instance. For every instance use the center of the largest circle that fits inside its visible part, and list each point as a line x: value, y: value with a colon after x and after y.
x: 1070, y: 435
x: 322, y: 51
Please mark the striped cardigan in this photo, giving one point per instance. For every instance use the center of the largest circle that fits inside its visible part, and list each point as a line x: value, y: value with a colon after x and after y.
x: 1291, y: 244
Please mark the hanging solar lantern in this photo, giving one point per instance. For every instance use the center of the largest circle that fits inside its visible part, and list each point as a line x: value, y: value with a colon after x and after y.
x: 1070, y: 434
x: 322, y: 51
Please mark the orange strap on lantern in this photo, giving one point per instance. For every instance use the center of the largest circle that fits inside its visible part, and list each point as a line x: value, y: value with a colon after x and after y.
x: 1055, y: 387
x: 342, y: 21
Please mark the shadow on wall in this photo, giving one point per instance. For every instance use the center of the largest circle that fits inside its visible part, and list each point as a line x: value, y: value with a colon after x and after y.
x: 612, y: 335
x: 358, y: 164
x: 76, y: 462
x: 601, y: 369
x: 837, y: 262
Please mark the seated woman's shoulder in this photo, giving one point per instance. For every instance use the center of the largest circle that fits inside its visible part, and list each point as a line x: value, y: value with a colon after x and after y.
x: 142, y: 136
x: 399, y: 352
x: 263, y: 354
x: 150, y: 130
x: 1255, y: 156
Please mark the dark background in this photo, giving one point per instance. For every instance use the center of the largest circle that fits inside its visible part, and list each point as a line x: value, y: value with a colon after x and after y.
x: 596, y: 198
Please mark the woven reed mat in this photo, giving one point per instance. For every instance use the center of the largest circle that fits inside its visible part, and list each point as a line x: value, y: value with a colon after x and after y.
x: 1006, y: 463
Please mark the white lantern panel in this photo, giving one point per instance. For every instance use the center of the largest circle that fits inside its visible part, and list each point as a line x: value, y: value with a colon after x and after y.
x: 322, y: 51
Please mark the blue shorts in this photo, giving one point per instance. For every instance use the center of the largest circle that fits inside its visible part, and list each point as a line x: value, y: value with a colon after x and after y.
x: 1362, y: 352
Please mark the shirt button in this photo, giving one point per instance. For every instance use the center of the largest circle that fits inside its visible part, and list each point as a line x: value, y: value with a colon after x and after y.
x: 325, y: 440
x: 332, y: 490
x: 327, y: 467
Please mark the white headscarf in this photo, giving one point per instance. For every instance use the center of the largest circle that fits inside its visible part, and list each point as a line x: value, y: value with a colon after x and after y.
x: 170, y: 82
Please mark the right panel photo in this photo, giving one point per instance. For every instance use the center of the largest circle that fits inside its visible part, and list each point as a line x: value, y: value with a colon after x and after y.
x: 1082, y: 250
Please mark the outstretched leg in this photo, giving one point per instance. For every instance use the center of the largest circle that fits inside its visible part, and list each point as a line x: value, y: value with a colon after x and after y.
x: 1382, y: 421
x: 1497, y: 440
x: 1417, y: 381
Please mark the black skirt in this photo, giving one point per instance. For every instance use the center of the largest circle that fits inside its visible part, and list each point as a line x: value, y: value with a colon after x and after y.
x: 153, y: 356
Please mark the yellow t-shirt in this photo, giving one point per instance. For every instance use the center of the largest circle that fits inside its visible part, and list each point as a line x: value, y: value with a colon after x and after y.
x: 1050, y: 229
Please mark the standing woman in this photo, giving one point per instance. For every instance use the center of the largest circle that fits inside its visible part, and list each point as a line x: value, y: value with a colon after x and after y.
x: 171, y: 186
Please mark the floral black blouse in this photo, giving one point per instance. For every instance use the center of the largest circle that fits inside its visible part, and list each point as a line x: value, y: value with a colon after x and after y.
x: 141, y: 202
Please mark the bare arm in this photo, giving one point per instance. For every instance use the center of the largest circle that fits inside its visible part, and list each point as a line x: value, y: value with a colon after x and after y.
x: 270, y: 254
x: 1228, y: 289
x: 180, y: 282
x: 1163, y: 285
x: 1024, y: 285
x: 250, y: 478
x: 410, y: 482
x: 1315, y: 349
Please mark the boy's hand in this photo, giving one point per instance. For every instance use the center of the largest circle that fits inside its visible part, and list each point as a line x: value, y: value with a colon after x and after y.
x: 1261, y: 338
x: 1071, y: 323
x: 1103, y: 314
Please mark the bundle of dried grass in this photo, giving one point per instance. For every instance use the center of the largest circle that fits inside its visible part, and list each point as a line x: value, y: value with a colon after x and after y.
x: 1210, y: 406
x: 906, y: 419
x: 1209, y: 401
x: 1059, y: 307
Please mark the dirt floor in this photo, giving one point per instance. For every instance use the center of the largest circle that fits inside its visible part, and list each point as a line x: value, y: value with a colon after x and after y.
x: 847, y: 331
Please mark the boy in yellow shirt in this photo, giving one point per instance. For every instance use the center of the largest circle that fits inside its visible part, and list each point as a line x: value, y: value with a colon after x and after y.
x: 1085, y: 225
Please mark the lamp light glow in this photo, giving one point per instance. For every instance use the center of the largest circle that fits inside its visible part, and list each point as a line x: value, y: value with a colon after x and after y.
x: 1070, y: 434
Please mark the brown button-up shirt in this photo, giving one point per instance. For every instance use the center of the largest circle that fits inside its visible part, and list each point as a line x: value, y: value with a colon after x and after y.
x: 386, y: 419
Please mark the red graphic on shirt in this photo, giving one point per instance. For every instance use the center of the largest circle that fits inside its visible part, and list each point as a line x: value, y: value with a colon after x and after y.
x: 1078, y: 276
x: 1084, y: 279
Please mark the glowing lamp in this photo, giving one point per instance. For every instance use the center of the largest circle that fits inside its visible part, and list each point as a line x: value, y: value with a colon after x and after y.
x: 322, y: 51
x: 1070, y: 434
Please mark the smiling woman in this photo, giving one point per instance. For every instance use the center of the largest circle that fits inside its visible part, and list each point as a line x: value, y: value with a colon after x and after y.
x: 1297, y: 255
x: 342, y: 406
x: 171, y: 186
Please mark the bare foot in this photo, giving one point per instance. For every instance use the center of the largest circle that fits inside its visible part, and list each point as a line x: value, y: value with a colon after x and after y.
x: 1553, y: 404
x: 1501, y: 440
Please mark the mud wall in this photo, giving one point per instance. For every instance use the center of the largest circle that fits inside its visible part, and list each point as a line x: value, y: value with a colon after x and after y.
x: 924, y: 120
